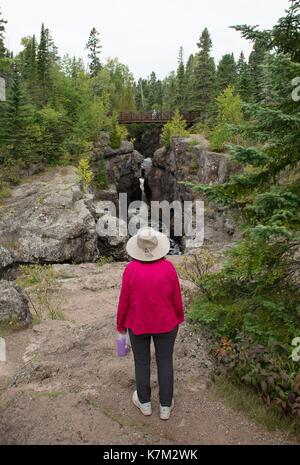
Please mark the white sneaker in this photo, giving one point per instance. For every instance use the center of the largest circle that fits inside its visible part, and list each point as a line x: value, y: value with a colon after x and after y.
x: 165, y: 412
x: 145, y: 408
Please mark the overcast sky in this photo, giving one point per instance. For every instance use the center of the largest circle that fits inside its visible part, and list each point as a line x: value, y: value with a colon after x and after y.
x: 144, y: 34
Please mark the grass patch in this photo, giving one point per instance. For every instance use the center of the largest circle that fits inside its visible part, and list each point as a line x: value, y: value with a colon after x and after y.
x: 43, y: 290
x: 244, y: 399
x: 103, y: 260
x: 10, y: 326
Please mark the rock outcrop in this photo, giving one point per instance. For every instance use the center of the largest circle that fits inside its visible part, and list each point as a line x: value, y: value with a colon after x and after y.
x: 123, y: 168
x: 46, y: 219
x: 187, y: 159
x: 190, y: 160
x: 13, y: 303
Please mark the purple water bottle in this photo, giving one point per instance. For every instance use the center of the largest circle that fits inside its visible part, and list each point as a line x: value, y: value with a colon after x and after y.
x: 121, y: 344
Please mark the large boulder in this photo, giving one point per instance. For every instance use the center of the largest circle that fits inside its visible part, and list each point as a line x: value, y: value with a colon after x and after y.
x: 13, y: 303
x: 47, y: 219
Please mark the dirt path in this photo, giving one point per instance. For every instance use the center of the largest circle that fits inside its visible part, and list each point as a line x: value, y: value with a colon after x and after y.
x: 64, y: 384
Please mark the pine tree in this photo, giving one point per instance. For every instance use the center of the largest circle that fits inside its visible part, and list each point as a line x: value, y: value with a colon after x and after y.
x: 226, y: 72
x: 188, y: 84
x: 29, y: 64
x: 169, y: 92
x: 17, y: 122
x: 43, y: 65
x: 154, y: 97
x: 2, y: 31
x: 5, y: 55
x: 243, y: 85
x: 180, y: 82
x: 204, y: 75
x: 94, y: 47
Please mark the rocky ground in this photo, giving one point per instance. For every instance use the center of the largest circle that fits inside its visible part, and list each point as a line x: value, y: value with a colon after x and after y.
x: 64, y: 384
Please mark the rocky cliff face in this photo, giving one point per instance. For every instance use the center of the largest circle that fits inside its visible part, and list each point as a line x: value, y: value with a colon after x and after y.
x: 187, y: 160
x: 122, y: 165
x: 190, y: 160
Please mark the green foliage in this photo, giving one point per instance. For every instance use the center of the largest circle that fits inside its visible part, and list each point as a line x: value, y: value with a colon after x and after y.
x: 84, y: 173
x: 93, y: 45
x: 54, y: 109
x: 203, y: 90
x: 41, y: 286
x: 256, y: 294
x: 115, y: 138
x: 103, y: 260
x: 226, y: 72
x: 175, y: 127
x: 101, y: 177
x: 229, y: 118
x: 268, y: 370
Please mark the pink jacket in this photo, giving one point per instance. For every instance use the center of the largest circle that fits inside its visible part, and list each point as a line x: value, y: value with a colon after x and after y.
x: 150, y: 298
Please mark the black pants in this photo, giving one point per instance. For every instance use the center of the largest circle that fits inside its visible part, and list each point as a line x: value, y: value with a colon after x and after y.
x: 164, y: 345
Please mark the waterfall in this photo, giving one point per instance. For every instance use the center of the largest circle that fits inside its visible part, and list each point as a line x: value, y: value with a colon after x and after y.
x: 142, y: 187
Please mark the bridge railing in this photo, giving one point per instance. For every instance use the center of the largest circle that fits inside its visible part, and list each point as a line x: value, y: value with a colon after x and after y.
x: 153, y: 116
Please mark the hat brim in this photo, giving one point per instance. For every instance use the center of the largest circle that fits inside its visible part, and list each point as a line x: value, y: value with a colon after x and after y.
x: 161, y: 249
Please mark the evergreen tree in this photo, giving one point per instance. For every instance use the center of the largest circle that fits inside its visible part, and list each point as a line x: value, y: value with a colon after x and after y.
x: 180, y: 82
x: 5, y: 55
x: 188, y: 84
x: 257, y: 292
x: 94, y: 47
x: 28, y: 58
x: 43, y: 65
x: 139, y: 91
x: 17, y: 128
x: 2, y: 31
x: 243, y: 85
x: 204, y: 75
x: 286, y: 33
x: 226, y: 72
x: 154, y: 98
x: 256, y: 59
x: 169, y: 92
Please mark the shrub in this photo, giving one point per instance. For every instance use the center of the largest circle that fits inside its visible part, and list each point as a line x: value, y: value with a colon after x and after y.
x: 101, y: 178
x: 117, y: 133
x: 103, y: 260
x: 175, y: 127
x: 42, y: 289
x: 268, y: 370
x: 84, y: 173
x: 229, y: 118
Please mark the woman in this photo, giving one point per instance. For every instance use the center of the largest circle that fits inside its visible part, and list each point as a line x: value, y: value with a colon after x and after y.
x: 150, y: 305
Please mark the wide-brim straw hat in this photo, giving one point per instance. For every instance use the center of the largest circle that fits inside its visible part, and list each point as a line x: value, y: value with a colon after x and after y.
x: 148, y: 245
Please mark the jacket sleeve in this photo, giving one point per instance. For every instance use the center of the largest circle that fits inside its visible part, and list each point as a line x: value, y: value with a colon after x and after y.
x: 177, y: 298
x: 124, y: 301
